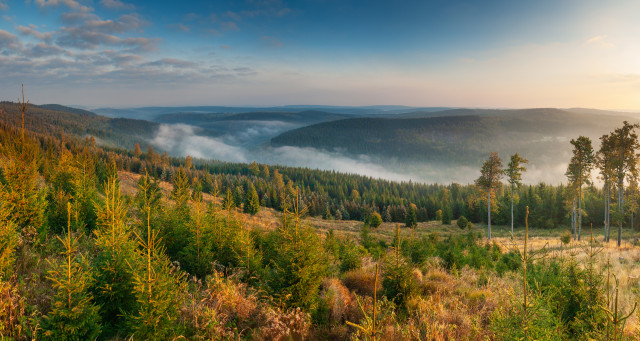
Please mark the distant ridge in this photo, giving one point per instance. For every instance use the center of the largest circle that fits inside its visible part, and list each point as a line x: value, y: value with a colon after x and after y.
x: 58, y: 107
x: 303, y: 117
x: 457, y: 136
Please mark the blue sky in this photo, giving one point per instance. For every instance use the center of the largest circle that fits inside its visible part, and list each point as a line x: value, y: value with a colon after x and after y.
x: 277, y: 52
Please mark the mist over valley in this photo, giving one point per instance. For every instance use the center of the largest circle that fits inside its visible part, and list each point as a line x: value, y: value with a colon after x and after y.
x: 430, y: 145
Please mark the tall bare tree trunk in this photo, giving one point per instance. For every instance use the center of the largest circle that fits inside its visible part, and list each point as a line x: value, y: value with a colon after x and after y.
x: 489, y: 213
x: 580, y: 205
x: 573, y: 218
x: 621, y: 208
x: 511, y: 208
x: 606, y: 210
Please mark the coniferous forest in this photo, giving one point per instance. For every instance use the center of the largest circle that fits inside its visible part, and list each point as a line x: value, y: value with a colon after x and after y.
x: 105, y: 243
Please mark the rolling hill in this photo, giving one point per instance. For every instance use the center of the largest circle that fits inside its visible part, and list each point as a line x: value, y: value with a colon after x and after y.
x: 54, y: 118
x: 459, y: 136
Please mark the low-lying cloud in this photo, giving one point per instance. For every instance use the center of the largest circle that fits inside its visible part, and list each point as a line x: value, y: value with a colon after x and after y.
x: 245, y: 143
x: 181, y: 139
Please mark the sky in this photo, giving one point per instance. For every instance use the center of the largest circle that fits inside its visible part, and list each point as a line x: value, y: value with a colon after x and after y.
x: 499, y: 54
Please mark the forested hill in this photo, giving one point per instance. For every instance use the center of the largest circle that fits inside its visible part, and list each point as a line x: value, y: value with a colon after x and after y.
x: 460, y: 136
x: 302, y: 117
x: 52, y: 119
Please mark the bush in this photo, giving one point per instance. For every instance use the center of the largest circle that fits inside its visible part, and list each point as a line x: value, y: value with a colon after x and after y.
x: 361, y: 281
x: 374, y: 220
x: 462, y: 222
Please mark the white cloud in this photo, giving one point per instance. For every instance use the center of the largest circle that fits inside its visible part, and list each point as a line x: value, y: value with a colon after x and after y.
x: 3, y: 6
x: 600, y: 41
x: 31, y: 30
x: 9, y: 41
x: 69, y: 3
x: 116, y: 5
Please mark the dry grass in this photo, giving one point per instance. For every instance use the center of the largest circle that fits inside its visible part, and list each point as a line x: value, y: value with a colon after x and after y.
x: 624, y: 262
x: 453, y: 304
x: 451, y: 307
x: 362, y: 280
x: 12, y: 311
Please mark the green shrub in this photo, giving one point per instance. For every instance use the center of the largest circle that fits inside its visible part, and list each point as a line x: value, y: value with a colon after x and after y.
x: 374, y: 220
x: 462, y: 222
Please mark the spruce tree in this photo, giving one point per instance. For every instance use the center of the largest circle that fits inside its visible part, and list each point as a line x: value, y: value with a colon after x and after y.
x: 73, y: 315
x: 252, y: 202
x: 227, y: 201
x: 446, y: 215
x: 8, y: 238
x: 157, y: 284
x: 300, y: 262
x: 411, y: 219
x: 398, y: 281
x: 113, y: 285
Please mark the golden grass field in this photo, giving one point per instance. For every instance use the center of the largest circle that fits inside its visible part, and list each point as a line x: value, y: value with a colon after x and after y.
x: 624, y: 261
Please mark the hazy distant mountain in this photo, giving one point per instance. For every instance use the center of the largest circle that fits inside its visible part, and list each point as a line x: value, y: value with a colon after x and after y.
x: 250, y: 128
x: 459, y: 136
x: 150, y: 113
x: 634, y: 115
x: 308, y: 117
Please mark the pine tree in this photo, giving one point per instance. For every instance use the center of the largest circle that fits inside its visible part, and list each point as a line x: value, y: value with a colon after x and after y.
x: 85, y: 193
x: 514, y: 173
x: 580, y: 169
x: 25, y: 199
x: 136, y: 150
x: 446, y: 215
x: 157, y: 284
x: 387, y: 214
x: 247, y: 256
x: 301, y: 261
x: 73, y: 316
x: 8, y: 238
x: 278, y: 185
x: 490, y: 175
x: 398, y: 281
x: 196, y: 256
x: 151, y: 155
x: 252, y: 202
x: 254, y: 168
x: 411, y: 219
x: 227, y: 201
x: 148, y: 194
x: 113, y: 285
x: 624, y: 162
x: 181, y: 189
